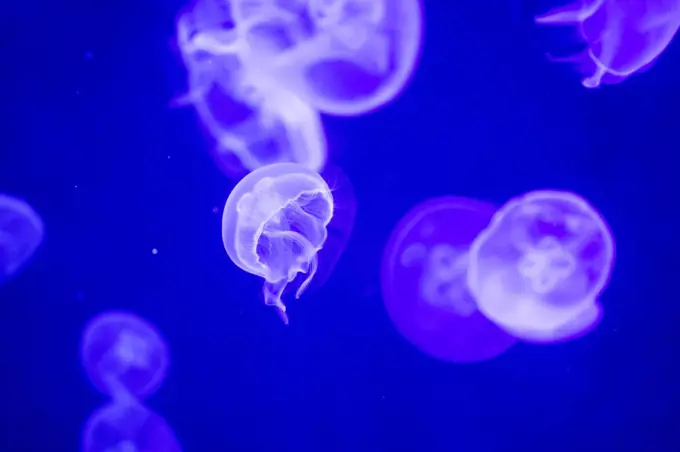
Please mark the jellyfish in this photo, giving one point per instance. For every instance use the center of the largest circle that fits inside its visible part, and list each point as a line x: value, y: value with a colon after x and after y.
x: 21, y: 233
x: 123, y: 355
x: 424, y: 287
x: 274, y: 224
x: 541, y: 263
x: 128, y: 427
x: 623, y: 37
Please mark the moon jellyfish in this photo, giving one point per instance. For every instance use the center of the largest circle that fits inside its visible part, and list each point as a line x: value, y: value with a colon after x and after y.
x: 623, y: 37
x: 21, y: 233
x: 424, y: 287
x: 123, y: 355
x: 128, y: 427
x: 274, y: 224
x: 542, y: 262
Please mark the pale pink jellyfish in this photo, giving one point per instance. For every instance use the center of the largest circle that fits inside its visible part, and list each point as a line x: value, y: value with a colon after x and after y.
x: 21, y: 233
x: 623, y: 37
x: 123, y: 355
x: 274, y: 224
x: 128, y: 427
x: 541, y: 264
x: 424, y: 286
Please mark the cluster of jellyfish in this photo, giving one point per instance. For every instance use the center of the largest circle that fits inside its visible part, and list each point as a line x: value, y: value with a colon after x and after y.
x: 126, y: 359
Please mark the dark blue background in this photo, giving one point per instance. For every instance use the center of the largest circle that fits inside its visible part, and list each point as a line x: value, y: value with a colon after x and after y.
x: 87, y: 137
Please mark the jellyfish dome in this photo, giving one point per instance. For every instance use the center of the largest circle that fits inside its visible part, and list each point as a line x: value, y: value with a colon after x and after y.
x: 423, y: 281
x: 273, y: 225
x: 123, y: 355
x: 623, y: 37
x: 128, y: 427
x: 542, y: 262
x: 21, y: 233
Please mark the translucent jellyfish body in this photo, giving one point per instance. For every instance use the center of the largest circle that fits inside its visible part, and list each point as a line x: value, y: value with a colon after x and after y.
x: 253, y: 122
x: 423, y: 281
x: 21, y: 233
x: 541, y: 264
x: 128, y: 427
x: 124, y: 356
x: 623, y: 37
x: 273, y: 225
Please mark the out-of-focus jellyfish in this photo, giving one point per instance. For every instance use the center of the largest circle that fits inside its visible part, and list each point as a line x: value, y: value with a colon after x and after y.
x: 424, y: 286
x: 623, y: 37
x: 123, y: 355
x: 254, y: 123
x: 541, y: 264
x: 128, y: 427
x: 21, y: 233
x: 274, y: 224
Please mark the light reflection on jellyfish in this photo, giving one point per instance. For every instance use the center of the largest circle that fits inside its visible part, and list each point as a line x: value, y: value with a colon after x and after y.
x: 21, y: 233
x: 128, y: 427
x: 123, y: 355
x: 623, y: 37
x: 274, y: 224
x: 542, y: 262
x: 424, y: 286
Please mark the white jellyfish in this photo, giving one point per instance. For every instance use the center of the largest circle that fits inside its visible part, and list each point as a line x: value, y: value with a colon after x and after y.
x: 541, y: 263
x: 21, y: 233
x: 273, y: 225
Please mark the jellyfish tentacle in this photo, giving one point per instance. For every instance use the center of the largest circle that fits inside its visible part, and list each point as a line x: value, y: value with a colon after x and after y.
x: 571, y: 14
x: 272, y: 297
x: 313, y: 265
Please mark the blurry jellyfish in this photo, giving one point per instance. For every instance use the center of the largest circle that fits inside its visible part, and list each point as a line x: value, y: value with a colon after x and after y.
x: 274, y: 224
x: 542, y: 262
x: 21, y: 233
x: 123, y: 355
x: 623, y: 37
x: 424, y: 286
x: 128, y: 427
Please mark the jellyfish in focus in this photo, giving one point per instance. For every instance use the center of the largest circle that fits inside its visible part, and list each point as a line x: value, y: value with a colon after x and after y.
x: 21, y: 233
x: 128, y: 427
x: 623, y: 37
x: 123, y: 355
x: 274, y: 224
x: 423, y: 281
x: 541, y: 264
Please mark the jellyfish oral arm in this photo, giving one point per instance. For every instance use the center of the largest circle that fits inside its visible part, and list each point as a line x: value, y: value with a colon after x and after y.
x: 311, y: 271
x: 272, y: 297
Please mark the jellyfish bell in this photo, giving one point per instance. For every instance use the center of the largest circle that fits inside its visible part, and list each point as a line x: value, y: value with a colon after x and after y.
x: 274, y: 224
x: 423, y: 281
x: 123, y: 355
x: 21, y: 233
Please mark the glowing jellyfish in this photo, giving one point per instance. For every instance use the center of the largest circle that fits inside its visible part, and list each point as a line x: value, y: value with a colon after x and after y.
x: 274, y: 224
x: 623, y: 37
x: 128, y: 427
x: 21, y: 233
x: 123, y: 355
x: 253, y: 123
x: 542, y: 262
x: 424, y: 281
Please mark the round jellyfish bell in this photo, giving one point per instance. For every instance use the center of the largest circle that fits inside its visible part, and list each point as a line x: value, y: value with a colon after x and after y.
x: 274, y: 224
x: 622, y: 37
x: 128, y: 427
x: 423, y: 281
x: 123, y: 355
x: 21, y: 233
x: 543, y: 260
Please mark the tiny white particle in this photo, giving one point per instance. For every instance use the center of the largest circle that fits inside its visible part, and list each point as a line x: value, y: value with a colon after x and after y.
x: 154, y: 251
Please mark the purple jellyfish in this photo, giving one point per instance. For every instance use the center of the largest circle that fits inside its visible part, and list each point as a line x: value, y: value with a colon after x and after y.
x: 123, y: 355
x: 128, y: 427
x: 423, y: 281
x: 623, y: 37
x: 542, y: 262
x: 274, y: 224
x: 21, y: 233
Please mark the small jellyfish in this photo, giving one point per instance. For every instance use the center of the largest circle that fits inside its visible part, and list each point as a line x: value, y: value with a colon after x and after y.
x: 274, y: 224
x: 544, y: 260
x: 423, y: 281
x: 128, y: 427
x: 21, y: 233
x: 123, y: 355
x: 622, y: 37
